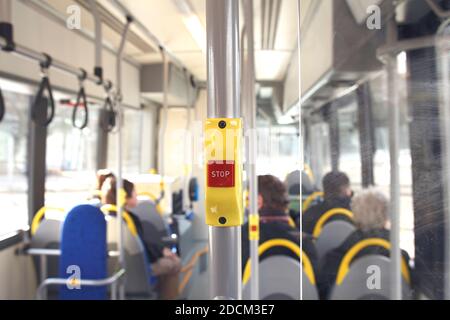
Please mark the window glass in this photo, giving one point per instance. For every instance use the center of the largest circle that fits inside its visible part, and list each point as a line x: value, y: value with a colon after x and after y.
x: 350, y: 153
x: 382, y: 161
x: 13, y: 163
x: 320, y: 161
x: 71, y: 158
x: 131, y: 137
x: 278, y: 151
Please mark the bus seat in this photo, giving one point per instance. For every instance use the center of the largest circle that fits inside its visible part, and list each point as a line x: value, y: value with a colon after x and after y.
x: 83, y: 244
x: 277, y: 274
x: 279, y: 279
x: 332, y: 236
x: 147, y: 212
x: 359, y: 283
x: 47, y: 236
x: 353, y: 280
x: 139, y: 282
x: 155, y: 230
x: 327, y: 216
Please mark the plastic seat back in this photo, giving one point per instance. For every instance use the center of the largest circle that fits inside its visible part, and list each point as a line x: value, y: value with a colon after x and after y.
x: 332, y: 236
x: 147, y: 212
x: 47, y: 236
x: 368, y: 279
x: 279, y: 279
x: 279, y: 275
x: 138, y: 278
x: 83, y: 247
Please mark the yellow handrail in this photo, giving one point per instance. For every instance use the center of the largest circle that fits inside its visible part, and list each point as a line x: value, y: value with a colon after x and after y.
x: 313, y: 196
x: 188, y: 268
x: 291, y: 222
x: 126, y: 216
x: 350, y: 255
x: 327, y: 215
x: 40, y: 214
x: 308, y: 268
x: 309, y: 172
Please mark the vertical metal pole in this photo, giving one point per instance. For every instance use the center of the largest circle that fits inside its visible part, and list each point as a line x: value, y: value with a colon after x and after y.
x: 119, y: 142
x: 43, y: 265
x: 187, y: 146
x: 5, y: 11
x: 222, y: 22
x: 163, y: 122
x: 98, y: 71
x: 300, y: 139
x: 443, y: 57
x: 250, y: 104
x: 394, y: 146
x: 366, y: 136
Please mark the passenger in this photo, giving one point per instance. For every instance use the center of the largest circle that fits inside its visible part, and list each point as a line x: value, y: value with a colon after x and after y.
x: 370, y: 209
x: 102, y: 175
x: 164, y: 263
x: 274, y: 221
x: 292, y: 183
x: 337, y: 194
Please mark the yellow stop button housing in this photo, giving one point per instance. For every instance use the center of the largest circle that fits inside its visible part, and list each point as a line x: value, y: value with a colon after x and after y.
x: 223, y: 199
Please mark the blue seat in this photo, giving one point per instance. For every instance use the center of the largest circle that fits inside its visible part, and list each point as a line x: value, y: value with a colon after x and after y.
x: 83, y: 245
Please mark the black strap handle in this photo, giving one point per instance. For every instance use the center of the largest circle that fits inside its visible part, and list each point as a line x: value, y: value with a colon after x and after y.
x: 37, y: 106
x: 2, y: 106
x: 81, y: 103
x: 109, y: 118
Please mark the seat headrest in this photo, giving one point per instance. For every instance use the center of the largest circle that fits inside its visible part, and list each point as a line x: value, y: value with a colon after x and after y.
x: 83, y: 247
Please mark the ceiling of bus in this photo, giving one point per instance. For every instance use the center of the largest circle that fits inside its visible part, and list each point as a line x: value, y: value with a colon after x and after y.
x: 167, y: 20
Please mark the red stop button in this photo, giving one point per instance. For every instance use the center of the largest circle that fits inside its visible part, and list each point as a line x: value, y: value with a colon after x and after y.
x: 221, y: 174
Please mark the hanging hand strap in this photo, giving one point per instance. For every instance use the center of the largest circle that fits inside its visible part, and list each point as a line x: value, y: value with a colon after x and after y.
x: 37, y: 106
x: 109, y: 118
x: 2, y: 106
x: 81, y: 103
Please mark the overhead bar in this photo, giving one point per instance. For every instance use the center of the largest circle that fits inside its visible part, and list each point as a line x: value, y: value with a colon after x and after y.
x: 98, y: 69
x: 121, y: 7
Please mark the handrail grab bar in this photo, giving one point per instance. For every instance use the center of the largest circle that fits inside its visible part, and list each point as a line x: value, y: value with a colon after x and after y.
x: 90, y: 283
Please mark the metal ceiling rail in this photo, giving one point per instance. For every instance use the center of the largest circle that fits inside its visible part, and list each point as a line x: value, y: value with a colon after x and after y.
x: 137, y: 23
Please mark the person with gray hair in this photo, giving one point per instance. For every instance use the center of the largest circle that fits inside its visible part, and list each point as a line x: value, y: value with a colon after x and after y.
x: 370, y: 208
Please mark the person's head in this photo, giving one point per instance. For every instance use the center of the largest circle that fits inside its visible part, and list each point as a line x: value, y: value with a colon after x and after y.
x: 109, y: 192
x: 336, y: 184
x: 370, y: 209
x: 272, y: 194
x: 102, y: 175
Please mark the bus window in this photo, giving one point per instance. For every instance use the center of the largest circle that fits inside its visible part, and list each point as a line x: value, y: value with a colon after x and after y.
x: 132, y: 143
x: 381, y: 157
x: 71, y: 158
x: 349, y: 148
x: 13, y: 164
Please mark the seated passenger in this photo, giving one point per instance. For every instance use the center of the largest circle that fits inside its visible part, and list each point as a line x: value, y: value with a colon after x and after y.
x: 102, y: 175
x: 370, y: 210
x: 337, y: 194
x: 274, y: 221
x: 164, y: 263
x: 292, y: 183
